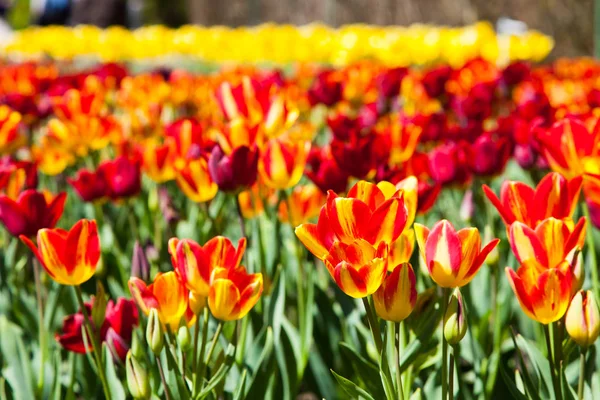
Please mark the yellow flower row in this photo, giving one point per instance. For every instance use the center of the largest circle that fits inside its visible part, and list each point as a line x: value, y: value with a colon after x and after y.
x: 393, y: 45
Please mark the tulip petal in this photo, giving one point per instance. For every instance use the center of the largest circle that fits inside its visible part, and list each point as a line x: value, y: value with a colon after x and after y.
x: 348, y: 217
x: 526, y: 245
x: 387, y: 222
x: 223, y: 299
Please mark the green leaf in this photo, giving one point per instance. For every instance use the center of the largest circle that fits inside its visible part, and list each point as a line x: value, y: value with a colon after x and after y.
x: 511, y: 385
x: 277, y: 305
x: 239, y: 393
x: 99, y: 306
x: 220, y: 374
x: 17, y: 371
x: 384, y: 370
x: 542, y: 366
x: 114, y: 383
x: 325, y: 383
x: 352, y: 389
x: 365, y: 369
x: 56, y: 385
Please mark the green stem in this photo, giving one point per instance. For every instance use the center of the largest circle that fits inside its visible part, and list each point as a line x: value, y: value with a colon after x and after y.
x: 398, y: 345
x: 162, y: 378
x: 212, y: 347
x: 41, y: 324
x: 374, y: 325
x: 200, y: 365
x: 240, y: 215
x: 451, y: 377
x: 558, y: 356
x: 196, y: 340
x: 132, y: 221
x: 94, y: 340
x: 591, y: 251
x: 239, y: 357
x: 445, y: 295
x: 581, y: 375
x: 555, y: 386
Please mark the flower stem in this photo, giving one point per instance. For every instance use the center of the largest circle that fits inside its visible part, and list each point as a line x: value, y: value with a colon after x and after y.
x: 451, y: 376
x: 445, y: 295
x: 374, y: 326
x: 591, y: 251
x: 581, y: 375
x: 94, y: 340
x: 240, y: 215
x: 41, y: 325
x: 200, y: 365
x: 555, y: 385
x: 396, y: 327
x: 162, y: 378
x: 558, y: 356
x: 212, y: 347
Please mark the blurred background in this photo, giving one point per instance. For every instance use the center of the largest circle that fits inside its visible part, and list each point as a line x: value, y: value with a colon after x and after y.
x: 569, y: 22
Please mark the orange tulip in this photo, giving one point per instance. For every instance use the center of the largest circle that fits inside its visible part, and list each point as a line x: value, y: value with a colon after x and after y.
x: 195, y: 263
x: 396, y: 297
x: 158, y: 161
x: 195, y: 182
x: 544, y: 294
x: 282, y: 160
x: 70, y: 257
x: 10, y: 136
x: 302, y: 204
x: 555, y: 196
x: 166, y: 294
x: 233, y: 292
x: 452, y: 258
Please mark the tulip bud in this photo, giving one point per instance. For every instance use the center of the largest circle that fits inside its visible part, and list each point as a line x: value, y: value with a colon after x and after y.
x: 137, y: 347
x: 154, y: 333
x: 467, y: 206
x: 455, y: 322
x: 583, y: 319
x: 183, y: 338
x: 397, y: 295
x: 137, y: 378
x: 140, y: 267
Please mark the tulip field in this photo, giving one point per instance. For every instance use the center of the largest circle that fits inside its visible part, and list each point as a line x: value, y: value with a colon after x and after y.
x: 288, y: 212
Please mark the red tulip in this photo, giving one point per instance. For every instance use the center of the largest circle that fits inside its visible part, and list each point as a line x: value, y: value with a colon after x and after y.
x: 119, y: 321
x: 90, y: 186
x: 489, y: 154
x: 31, y: 211
x: 236, y: 171
x: 325, y: 172
x: 448, y: 164
x: 122, y: 176
x: 326, y: 89
x: 434, y: 80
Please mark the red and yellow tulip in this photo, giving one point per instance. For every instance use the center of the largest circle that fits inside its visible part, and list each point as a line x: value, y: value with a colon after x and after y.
x: 233, y: 292
x: 555, y: 196
x: 452, y: 257
x: 396, y: 297
x: 69, y: 257
x: 167, y: 294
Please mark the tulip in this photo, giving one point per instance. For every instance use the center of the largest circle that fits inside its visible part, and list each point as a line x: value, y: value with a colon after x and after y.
x: 236, y: 171
x: 396, y: 297
x: 282, y: 162
x: 167, y: 294
x: 323, y: 170
x: 360, y: 155
x: 195, y: 263
x: 488, y: 155
x: 195, y: 182
x: 117, y: 329
x: 184, y: 339
x: 455, y: 319
x: 544, y: 294
x: 555, y: 196
x: 122, y: 176
x: 448, y: 164
x: 158, y: 161
x: 583, y: 319
x: 233, y: 292
x: 90, y: 186
x: 31, y: 211
x: 16, y: 176
x: 137, y: 378
x: 434, y: 80
x: 69, y: 257
x: 452, y: 258
x: 154, y: 333
x: 302, y: 204
x: 551, y: 243
x: 326, y: 88
x: 140, y: 266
